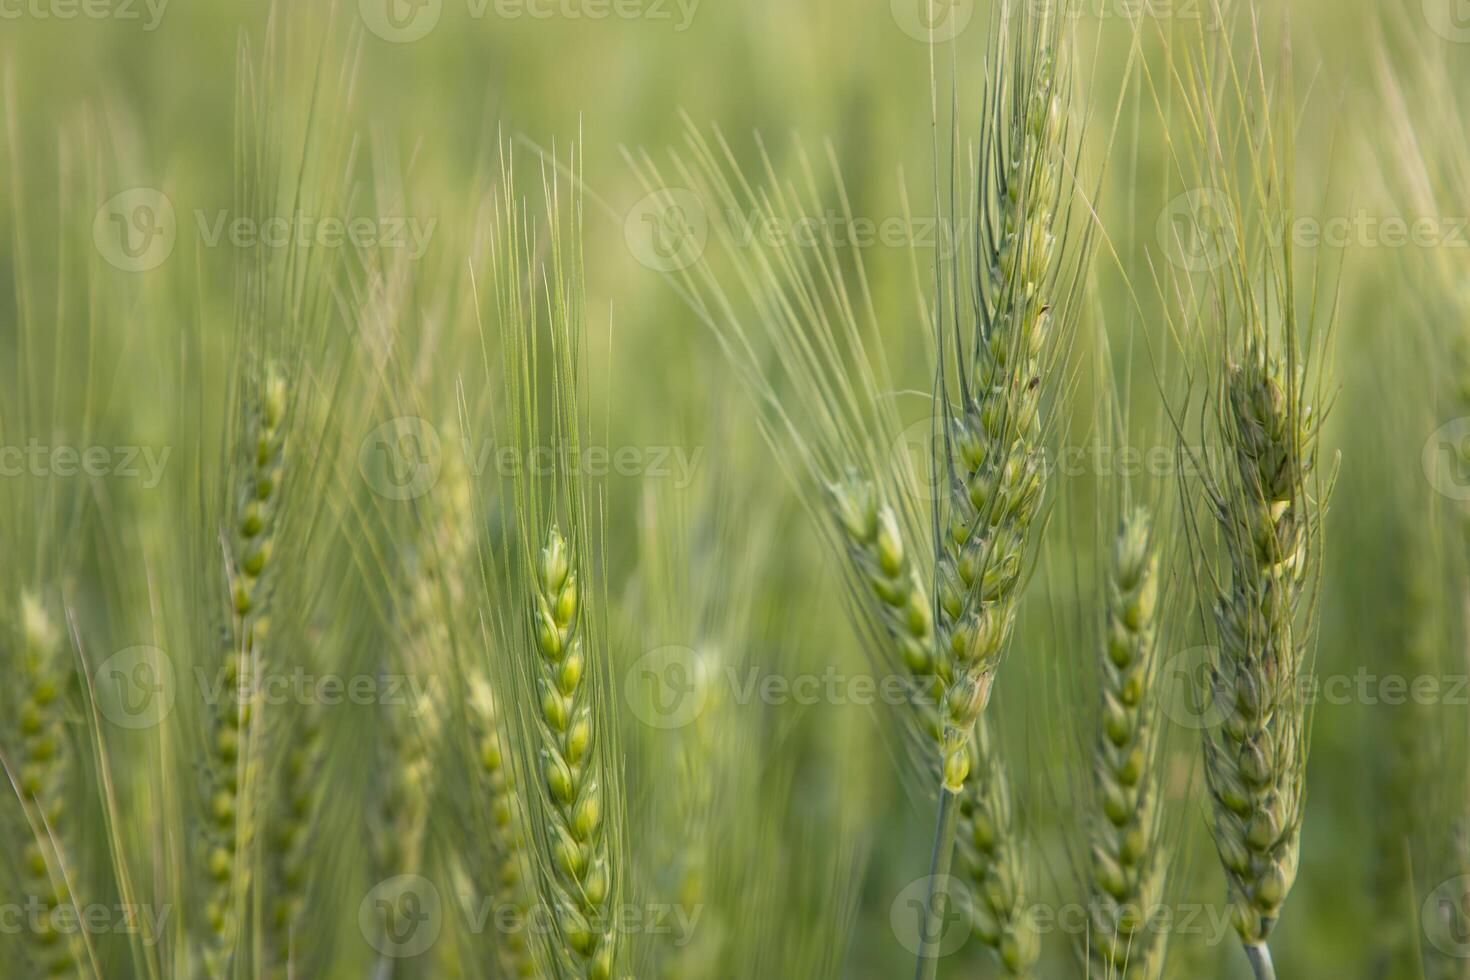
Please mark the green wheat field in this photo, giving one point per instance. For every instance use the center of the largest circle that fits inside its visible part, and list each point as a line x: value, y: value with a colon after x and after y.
x: 614, y: 489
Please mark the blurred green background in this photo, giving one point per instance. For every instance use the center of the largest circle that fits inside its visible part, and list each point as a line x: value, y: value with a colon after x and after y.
x: 160, y: 99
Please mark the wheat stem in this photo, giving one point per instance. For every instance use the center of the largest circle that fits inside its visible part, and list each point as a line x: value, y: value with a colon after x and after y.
x: 1260, y: 958
x: 937, y: 893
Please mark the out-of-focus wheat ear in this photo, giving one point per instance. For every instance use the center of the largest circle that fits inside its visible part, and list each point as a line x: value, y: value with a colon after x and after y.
x: 291, y: 830
x: 1128, y: 857
x: 47, y: 768
x: 229, y: 822
x: 500, y: 871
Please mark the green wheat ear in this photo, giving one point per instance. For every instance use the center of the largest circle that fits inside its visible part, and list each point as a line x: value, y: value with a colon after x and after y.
x: 1256, y: 758
x: 1127, y: 853
x: 497, y: 854
x: 549, y: 657
x: 46, y: 771
x: 227, y: 825
x: 569, y: 764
